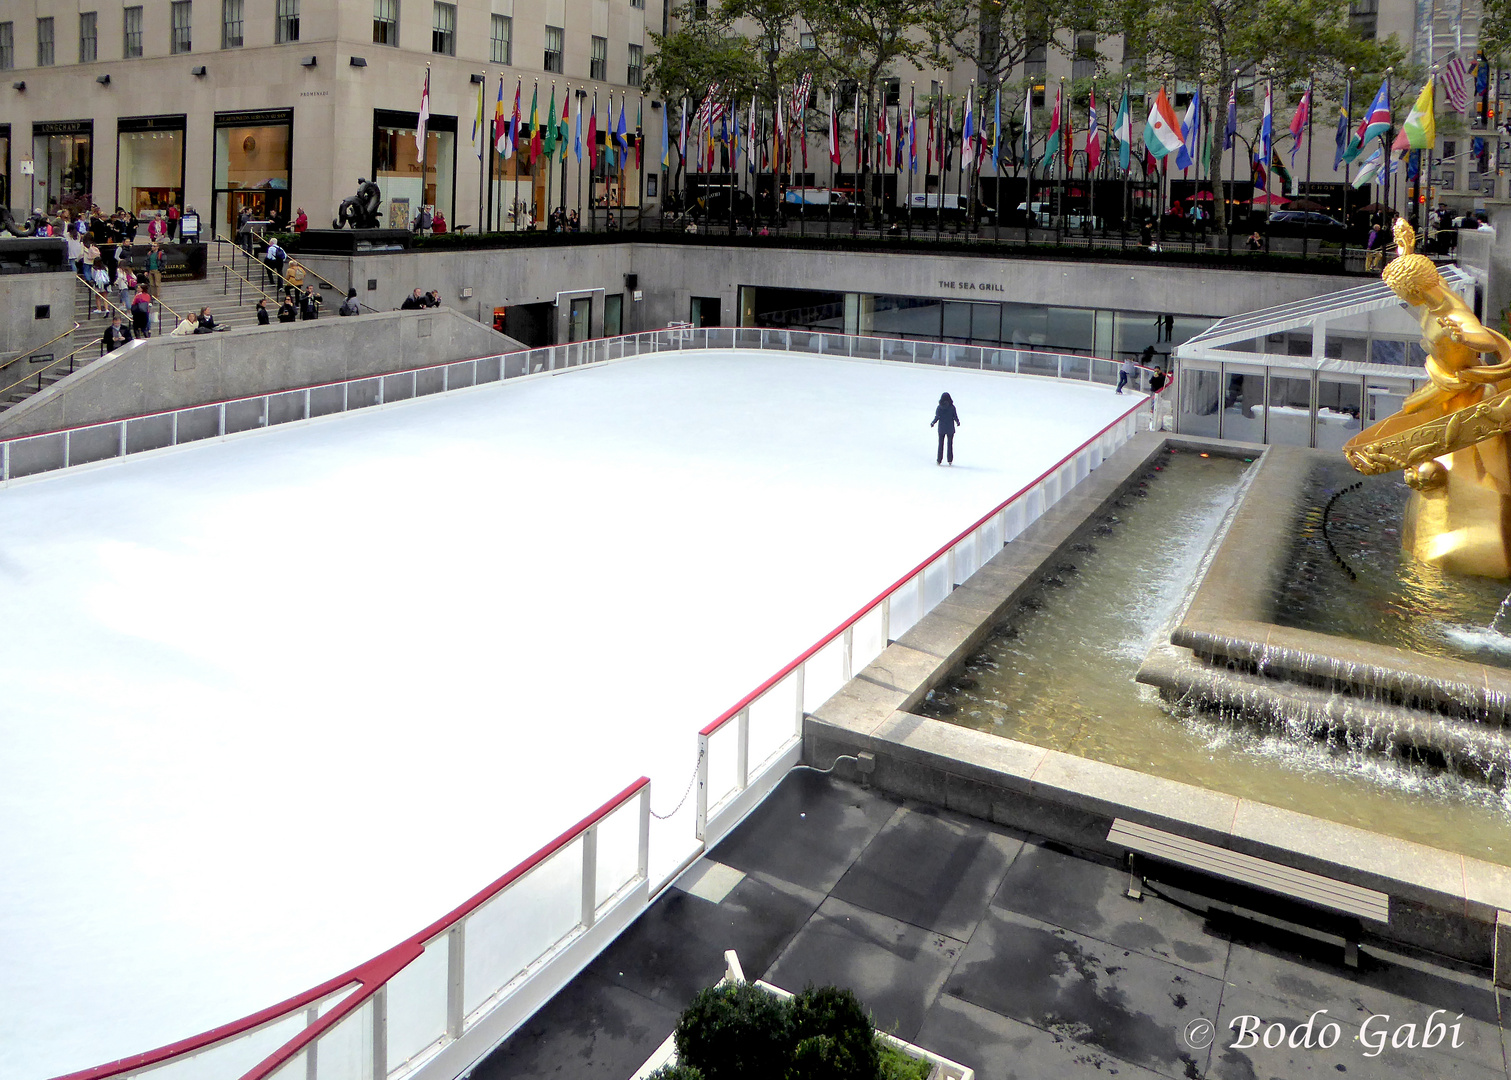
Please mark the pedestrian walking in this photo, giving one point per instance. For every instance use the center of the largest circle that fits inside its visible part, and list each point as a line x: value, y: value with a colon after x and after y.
x: 173, y: 216
x: 154, y: 269
x: 349, y: 306
x: 141, y: 311
x: 273, y: 261
x: 947, y: 420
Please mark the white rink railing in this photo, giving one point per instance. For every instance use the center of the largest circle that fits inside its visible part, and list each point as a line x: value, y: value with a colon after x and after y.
x: 28, y: 455
x: 432, y: 1005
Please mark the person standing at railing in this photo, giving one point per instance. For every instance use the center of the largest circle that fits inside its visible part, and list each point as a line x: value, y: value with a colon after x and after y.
x: 262, y: 311
x: 1128, y: 372
x: 947, y: 420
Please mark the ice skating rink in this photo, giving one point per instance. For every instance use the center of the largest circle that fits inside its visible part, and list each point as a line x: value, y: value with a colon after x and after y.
x: 274, y: 703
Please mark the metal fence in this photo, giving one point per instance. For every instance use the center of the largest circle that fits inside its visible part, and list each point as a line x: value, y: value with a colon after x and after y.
x: 28, y: 455
x: 432, y: 1005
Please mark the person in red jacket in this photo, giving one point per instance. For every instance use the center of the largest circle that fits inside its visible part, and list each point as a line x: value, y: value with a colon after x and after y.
x: 301, y: 222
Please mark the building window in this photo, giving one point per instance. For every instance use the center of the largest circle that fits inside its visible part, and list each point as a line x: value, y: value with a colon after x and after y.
x: 1084, y: 63
x: 807, y: 42
x: 44, y: 42
x: 1363, y: 17
x: 131, y: 40
x: 636, y: 71
x: 700, y: 9
x: 89, y: 37
x: 554, y: 48
x: 230, y: 23
x: 386, y: 22
x: 443, y: 30
x: 1450, y: 148
x: 7, y: 45
x: 287, y: 27
x: 501, y: 49
x: 598, y: 64
x: 637, y: 3
x: 1036, y: 62
x: 181, y: 41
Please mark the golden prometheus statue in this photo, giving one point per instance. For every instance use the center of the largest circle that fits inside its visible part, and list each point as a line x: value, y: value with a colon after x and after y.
x: 1450, y: 436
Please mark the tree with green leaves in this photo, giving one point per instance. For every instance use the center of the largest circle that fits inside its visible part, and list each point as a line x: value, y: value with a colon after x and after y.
x: 1220, y: 41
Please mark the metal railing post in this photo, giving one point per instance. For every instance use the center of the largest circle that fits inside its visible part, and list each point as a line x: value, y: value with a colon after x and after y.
x: 220, y: 412
x: 847, y: 653
x: 311, y: 1066
x: 456, y: 959
x: 800, y: 678
x: 5, y: 460
x: 742, y: 760
x: 120, y: 442
x: 643, y: 865
x: 380, y: 1033
x: 589, y: 876
x: 700, y: 825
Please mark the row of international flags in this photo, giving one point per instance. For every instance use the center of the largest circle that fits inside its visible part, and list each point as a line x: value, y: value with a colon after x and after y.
x: 713, y: 129
x: 532, y: 140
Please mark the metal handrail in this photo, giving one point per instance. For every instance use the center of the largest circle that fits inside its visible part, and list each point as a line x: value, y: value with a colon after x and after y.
x: 44, y: 370
x: 308, y: 270
x: 32, y: 352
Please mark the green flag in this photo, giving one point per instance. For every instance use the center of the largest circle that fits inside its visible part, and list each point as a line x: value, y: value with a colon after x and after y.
x: 548, y: 143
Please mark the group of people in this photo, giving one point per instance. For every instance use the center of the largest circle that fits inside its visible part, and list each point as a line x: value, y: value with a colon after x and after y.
x: 563, y: 220
x: 416, y: 300
x: 295, y: 305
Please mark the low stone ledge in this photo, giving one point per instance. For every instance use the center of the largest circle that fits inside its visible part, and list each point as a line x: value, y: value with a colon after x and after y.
x: 901, y: 668
x: 859, y: 706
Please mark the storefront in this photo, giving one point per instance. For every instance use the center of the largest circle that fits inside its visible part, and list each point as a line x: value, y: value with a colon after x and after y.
x: 63, y: 165
x: 149, y: 163
x: 396, y: 167
x: 253, y: 162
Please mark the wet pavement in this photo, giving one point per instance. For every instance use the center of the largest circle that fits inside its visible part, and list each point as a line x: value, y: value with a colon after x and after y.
x: 1008, y: 953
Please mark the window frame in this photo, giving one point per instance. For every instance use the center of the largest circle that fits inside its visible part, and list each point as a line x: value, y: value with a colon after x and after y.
x: 386, y: 23
x: 504, y: 55
x: 131, y: 39
x: 442, y: 28
x: 285, y: 21
x: 181, y: 33
x: 7, y: 45
x: 598, y: 59
x: 47, y: 44
x: 89, y: 34
x: 227, y: 9
x: 554, y: 58
x: 634, y: 68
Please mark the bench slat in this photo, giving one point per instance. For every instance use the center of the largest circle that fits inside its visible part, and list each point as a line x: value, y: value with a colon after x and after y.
x: 1261, y: 873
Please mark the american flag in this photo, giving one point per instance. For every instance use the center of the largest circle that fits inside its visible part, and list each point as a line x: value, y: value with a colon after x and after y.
x: 800, y: 96
x: 1455, y: 86
x: 710, y: 111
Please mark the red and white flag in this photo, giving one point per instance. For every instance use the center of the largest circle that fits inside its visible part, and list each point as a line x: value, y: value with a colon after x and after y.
x: 833, y: 132
x: 420, y: 128
x: 1455, y: 84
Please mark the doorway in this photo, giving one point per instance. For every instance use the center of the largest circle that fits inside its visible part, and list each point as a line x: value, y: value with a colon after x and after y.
x: 580, y: 319
x: 705, y: 311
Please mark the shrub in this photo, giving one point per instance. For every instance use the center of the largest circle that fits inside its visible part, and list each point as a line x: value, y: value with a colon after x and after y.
x: 676, y: 1072
x: 895, y: 1065
x: 833, y: 1036
x: 736, y: 1032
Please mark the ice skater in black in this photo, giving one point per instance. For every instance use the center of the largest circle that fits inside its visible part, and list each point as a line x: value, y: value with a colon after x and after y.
x: 948, y: 420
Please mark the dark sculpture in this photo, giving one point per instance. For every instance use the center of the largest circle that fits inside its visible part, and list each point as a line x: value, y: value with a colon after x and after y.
x: 361, y: 210
x: 10, y: 225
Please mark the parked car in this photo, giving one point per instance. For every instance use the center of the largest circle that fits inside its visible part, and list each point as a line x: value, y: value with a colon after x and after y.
x: 1309, y: 223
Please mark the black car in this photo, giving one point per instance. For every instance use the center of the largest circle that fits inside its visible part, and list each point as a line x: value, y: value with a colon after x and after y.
x: 1309, y: 223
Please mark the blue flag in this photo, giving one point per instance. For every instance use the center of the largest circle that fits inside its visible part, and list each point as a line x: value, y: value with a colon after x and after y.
x: 1344, y: 123
x: 1231, y: 129
x: 624, y: 145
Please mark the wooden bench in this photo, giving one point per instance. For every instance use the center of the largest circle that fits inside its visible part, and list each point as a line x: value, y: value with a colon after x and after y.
x: 1324, y: 892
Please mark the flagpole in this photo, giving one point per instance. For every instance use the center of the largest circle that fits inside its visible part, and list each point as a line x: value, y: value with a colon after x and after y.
x: 425, y: 142
x: 1231, y: 203
x: 944, y: 141
x: 1091, y: 180
x: 1128, y: 172
x: 997, y: 164
x: 576, y: 134
x: 1028, y: 161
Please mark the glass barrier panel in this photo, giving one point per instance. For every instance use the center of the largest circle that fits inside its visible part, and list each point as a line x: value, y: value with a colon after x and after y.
x: 1075, y: 367
x: 196, y: 424
x: 417, y: 1004
x: 618, y: 861
x: 773, y: 721
x: 324, y: 400
x: 837, y: 344
x: 966, y: 356
x: 721, y: 338
x: 521, y: 924
x: 282, y: 408
x: 398, y: 387
x: 991, y: 537
x: 516, y: 364
x: 245, y: 415
x: 929, y: 352
x: 1243, y: 405
x: 94, y: 444
x: 233, y: 1057
x: 867, y: 640
x: 1014, y: 519
x: 461, y: 374
x: 803, y: 341
x: 936, y: 583
x: 1340, y: 403
x: 1290, y: 411
x: 1037, y: 363
x: 538, y: 360
x: 900, y: 352
x: 362, y: 393
x: 296, y: 1068
x: 429, y: 381
x: 824, y: 674
x: 905, y: 608
x: 146, y: 433
x: 999, y: 360
x: 867, y: 348
x: 490, y: 369
x: 600, y: 351
x: 966, y: 557
x: 723, y: 765
x: 746, y: 338
x: 345, y: 1052
x: 1105, y: 372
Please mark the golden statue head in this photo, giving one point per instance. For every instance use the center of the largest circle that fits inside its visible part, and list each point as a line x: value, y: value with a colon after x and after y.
x: 1409, y: 275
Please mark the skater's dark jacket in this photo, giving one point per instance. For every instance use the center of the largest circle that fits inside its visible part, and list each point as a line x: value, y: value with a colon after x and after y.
x: 946, y: 417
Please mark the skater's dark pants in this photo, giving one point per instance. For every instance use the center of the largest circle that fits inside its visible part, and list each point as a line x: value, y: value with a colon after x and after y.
x: 946, y: 439
x: 1122, y: 380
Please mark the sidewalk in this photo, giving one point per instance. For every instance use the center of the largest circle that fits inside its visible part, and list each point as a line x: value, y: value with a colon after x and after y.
x: 1008, y: 953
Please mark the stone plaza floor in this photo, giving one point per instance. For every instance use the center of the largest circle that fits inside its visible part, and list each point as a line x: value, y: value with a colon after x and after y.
x: 1005, y: 952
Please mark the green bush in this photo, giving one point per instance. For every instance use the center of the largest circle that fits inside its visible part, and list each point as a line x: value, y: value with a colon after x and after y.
x: 736, y: 1032
x: 834, y: 1039
x: 676, y: 1072
x: 895, y: 1065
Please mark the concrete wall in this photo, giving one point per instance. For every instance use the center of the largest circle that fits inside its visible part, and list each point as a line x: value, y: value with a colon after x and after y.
x: 20, y: 329
x: 173, y: 372
x: 671, y: 274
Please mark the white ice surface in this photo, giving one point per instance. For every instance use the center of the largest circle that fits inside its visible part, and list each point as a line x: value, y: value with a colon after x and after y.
x: 272, y: 704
